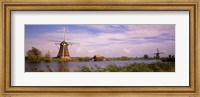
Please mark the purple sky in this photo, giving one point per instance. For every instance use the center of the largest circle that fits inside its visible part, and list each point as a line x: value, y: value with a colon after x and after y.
x: 107, y: 40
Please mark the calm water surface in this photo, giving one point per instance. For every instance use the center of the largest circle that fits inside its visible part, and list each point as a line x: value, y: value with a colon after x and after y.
x: 72, y: 66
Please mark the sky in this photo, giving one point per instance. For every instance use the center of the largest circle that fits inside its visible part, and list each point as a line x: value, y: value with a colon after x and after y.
x: 132, y: 40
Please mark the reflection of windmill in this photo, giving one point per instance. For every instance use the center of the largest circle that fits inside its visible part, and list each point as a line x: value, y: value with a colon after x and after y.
x: 63, y: 50
x: 62, y: 67
x: 158, y: 54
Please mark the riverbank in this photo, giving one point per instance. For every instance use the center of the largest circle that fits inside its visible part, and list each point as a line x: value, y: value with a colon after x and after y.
x: 86, y: 59
x: 134, y: 67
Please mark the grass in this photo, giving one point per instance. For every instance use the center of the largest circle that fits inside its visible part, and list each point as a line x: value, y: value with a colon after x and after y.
x: 135, y: 67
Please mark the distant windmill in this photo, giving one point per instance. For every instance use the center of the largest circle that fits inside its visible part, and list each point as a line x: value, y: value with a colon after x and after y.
x: 158, y: 54
x: 63, y: 50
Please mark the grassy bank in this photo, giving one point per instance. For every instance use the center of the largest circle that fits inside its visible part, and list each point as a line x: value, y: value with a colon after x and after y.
x: 135, y: 67
x: 85, y: 59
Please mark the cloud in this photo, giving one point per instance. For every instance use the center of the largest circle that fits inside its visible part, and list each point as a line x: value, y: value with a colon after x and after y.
x: 164, y: 51
x: 109, y: 40
x: 78, y: 50
x: 91, y: 51
x: 127, y: 50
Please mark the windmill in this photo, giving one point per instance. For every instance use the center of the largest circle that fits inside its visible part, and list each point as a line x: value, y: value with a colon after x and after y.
x: 158, y: 54
x: 63, y: 52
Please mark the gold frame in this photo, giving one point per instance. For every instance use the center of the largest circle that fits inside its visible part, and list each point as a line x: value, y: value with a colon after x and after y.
x: 192, y: 6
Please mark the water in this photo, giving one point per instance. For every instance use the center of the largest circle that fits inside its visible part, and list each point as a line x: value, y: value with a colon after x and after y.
x: 71, y: 66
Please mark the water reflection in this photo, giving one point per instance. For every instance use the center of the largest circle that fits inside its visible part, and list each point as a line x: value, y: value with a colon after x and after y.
x: 49, y: 69
x: 74, y: 66
x: 62, y: 67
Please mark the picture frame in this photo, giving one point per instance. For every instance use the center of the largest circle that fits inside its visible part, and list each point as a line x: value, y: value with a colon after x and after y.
x: 188, y: 91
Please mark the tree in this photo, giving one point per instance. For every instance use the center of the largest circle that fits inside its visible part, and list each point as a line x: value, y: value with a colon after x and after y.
x: 146, y: 56
x: 34, y: 55
x: 47, y: 57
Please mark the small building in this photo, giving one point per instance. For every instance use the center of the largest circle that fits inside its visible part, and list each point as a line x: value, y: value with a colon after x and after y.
x: 98, y: 57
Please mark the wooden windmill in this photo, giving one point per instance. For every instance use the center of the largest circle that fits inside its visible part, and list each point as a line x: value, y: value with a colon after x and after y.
x: 158, y: 54
x: 63, y: 52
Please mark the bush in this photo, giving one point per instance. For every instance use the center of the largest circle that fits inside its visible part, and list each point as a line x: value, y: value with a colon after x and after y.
x: 83, y: 58
x: 123, y: 58
x: 34, y: 55
x: 47, y: 57
x: 112, y: 68
x: 99, y: 59
x: 168, y: 59
x: 146, y: 56
x: 85, y: 69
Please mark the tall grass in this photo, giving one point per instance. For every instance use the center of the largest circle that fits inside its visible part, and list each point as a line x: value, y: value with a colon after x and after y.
x: 135, y: 67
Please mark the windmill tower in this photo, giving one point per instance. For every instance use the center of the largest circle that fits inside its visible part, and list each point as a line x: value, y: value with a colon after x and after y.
x: 158, y: 54
x: 63, y: 52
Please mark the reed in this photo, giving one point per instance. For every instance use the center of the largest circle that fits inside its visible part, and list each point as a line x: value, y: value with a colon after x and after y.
x: 134, y: 67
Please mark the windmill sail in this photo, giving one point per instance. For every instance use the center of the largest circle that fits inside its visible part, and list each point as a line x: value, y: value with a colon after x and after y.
x: 63, y: 52
x: 71, y: 43
x: 158, y: 54
x: 54, y: 41
x: 64, y: 33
